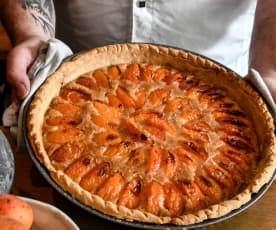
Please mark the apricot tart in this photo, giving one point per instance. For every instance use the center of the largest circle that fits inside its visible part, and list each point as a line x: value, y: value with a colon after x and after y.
x: 152, y: 134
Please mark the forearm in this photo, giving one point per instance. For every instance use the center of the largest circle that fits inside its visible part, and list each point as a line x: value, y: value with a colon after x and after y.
x: 27, y: 18
x: 263, y: 45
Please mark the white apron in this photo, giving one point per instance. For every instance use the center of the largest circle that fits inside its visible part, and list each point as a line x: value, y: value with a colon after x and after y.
x: 218, y: 29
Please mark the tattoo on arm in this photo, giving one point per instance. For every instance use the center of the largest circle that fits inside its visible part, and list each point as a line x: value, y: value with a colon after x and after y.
x: 42, y: 12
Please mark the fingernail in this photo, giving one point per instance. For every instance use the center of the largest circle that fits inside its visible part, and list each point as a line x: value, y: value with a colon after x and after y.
x: 22, y: 91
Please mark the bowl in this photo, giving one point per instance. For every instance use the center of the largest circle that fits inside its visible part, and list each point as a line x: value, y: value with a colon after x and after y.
x: 6, y: 164
x: 47, y: 216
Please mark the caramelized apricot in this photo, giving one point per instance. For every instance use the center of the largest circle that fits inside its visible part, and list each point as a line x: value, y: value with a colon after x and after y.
x: 162, y: 125
x: 169, y: 163
x: 120, y: 149
x: 87, y: 82
x: 93, y: 179
x: 154, y: 197
x: 237, y: 156
x: 114, y: 72
x: 111, y: 187
x: 192, y: 193
x: 154, y: 160
x: 175, y: 104
x: 173, y: 77
x: 160, y: 74
x: 137, y: 157
x: 197, y: 125
x: 125, y: 98
x: 174, y: 200
x: 107, y: 114
x: 132, y: 73
x: 146, y: 73
x: 140, y: 98
x: 74, y: 96
x: 146, y: 114
x: 63, y: 135
x: 66, y: 153
x: 62, y: 121
x: 132, y: 129
x: 67, y: 109
x: 187, y: 158
x: 159, y: 134
x: 188, y: 84
x: 221, y: 176
x: 191, y: 114
x: 107, y: 138
x: 198, y: 137
x: 131, y: 194
x: 77, y: 169
x: 114, y: 101
x: 210, y: 188
x: 194, y: 148
x: 101, y: 79
x: 158, y: 96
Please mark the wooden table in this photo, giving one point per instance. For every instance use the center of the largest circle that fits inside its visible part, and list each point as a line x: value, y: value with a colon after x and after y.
x: 5, y: 43
x: 29, y: 182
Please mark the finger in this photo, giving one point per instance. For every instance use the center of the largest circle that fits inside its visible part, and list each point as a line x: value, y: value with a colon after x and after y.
x: 17, y: 64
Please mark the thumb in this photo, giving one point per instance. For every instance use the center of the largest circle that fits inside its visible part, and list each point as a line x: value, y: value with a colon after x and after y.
x: 17, y: 65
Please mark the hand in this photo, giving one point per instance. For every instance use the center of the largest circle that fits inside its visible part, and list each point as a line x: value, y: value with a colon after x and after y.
x: 19, y: 60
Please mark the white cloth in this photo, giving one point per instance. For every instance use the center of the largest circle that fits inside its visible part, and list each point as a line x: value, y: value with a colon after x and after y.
x: 255, y: 79
x: 218, y: 29
x: 50, y: 57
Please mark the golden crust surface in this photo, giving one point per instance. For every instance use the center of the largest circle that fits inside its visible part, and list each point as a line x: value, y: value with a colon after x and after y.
x: 260, y: 136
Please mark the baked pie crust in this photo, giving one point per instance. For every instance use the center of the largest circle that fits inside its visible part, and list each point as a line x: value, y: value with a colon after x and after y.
x: 152, y: 134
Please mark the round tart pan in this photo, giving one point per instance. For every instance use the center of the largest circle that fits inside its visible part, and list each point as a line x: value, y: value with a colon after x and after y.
x: 257, y: 193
